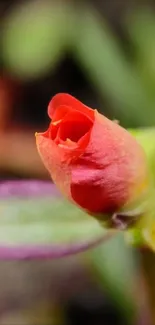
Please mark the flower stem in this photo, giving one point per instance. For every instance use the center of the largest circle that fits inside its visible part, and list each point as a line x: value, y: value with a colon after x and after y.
x: 148, y: 268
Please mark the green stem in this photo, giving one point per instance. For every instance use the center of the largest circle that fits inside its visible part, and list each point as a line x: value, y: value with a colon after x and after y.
x: 148, y: 269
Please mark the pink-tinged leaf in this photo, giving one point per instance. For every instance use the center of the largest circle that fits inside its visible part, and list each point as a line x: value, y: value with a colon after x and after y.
x: 37, y: 223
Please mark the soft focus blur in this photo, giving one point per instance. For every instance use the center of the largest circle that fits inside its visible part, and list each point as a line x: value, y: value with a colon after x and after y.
x: 103, y: 53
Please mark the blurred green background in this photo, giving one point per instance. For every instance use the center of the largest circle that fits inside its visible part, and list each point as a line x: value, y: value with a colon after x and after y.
x: 103, y: 53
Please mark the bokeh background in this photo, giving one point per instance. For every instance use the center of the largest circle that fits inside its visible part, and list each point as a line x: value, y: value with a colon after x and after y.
x: 103, y: 53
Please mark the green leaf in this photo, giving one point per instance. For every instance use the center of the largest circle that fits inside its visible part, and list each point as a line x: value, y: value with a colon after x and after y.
x: 115, y: 266
x: 141, y: 28
x: 146, y: 137
x: 100, y: 54
x: 143, y: 232
x: 46, y: 227
x: 34, y: 36
x: 43, y: 221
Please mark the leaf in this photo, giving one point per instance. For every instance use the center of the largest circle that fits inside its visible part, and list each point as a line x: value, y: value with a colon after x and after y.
x: 115, y: 266
x: 44, y: 225
x: 34, y: 36
x: 141, y: 28
x: 146, y: 136
x: 143, y: 233
x: 104, y: 61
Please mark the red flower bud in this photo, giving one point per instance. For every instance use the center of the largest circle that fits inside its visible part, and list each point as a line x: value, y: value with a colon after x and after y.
x: 93, y: 161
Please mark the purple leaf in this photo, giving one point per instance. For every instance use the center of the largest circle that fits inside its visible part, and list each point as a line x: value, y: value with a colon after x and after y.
x: 37, y: 223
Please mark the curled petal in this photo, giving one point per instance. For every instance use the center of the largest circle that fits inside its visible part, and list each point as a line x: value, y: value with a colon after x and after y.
x: 69, y: 101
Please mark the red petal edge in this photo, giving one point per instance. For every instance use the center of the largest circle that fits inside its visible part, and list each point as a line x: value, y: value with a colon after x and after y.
x: 63, y: 99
